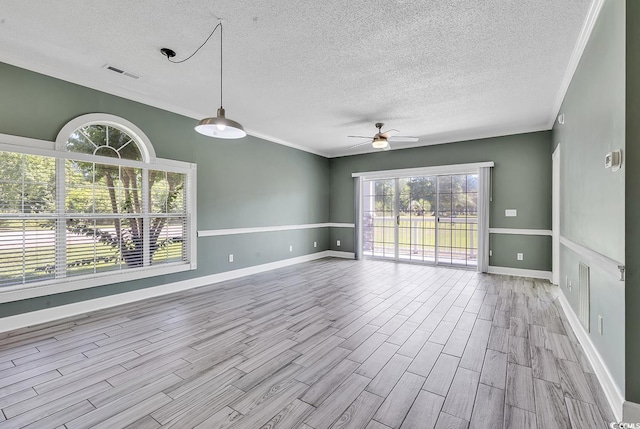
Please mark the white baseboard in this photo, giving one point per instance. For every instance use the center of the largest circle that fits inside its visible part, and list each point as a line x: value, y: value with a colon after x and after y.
x: 337, y: 254
x: 50, y: 314
x: 611, y: 390
x: 631, y: 412
x: 520, y: 272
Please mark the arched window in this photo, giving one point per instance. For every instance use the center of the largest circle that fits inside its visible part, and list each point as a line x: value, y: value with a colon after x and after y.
x: 100, y: 204
x: 104, y: 140
x: 105, y: 135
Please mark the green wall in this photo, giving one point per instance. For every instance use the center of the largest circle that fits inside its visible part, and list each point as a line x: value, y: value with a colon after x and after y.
x: 521, y: 180
x: 632, y: 201
x: 593, y: 198
x: 241, y: 183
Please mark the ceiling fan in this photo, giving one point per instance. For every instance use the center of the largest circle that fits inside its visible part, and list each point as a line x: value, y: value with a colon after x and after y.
x: 382, y: 140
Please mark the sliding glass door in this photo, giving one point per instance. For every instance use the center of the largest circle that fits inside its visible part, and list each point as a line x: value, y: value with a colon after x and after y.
x: 457, y: 220
x: 429, y: 219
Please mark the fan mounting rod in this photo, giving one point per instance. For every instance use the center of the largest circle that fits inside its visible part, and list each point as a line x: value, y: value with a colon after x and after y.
x: 379, y: 126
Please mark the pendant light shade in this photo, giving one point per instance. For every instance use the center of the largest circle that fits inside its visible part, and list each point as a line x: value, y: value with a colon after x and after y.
x: 220, y: 127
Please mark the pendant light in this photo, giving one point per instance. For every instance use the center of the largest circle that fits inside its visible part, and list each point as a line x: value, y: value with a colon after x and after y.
x: 220, y: 127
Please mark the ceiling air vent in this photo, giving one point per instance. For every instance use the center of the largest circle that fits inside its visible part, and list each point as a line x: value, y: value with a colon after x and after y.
x: 122, y: 72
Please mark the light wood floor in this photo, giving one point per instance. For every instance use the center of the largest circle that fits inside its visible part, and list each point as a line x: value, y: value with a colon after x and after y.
x: 326, y: 344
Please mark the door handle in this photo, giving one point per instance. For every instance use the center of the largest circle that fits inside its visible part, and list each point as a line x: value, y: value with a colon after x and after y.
x: 398, y: 219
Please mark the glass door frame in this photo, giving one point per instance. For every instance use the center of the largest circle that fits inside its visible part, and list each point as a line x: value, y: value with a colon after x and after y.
x: 396, y: 175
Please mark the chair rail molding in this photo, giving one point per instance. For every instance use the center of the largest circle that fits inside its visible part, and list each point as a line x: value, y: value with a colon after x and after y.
x: 253, y: 230
x: 521, y: 231
x: 611, y: 265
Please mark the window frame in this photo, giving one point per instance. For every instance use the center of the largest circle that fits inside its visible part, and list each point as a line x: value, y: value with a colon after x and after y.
x: 58, y: 150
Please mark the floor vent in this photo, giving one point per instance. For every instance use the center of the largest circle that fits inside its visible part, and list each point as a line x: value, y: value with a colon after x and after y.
x: 585, y: 295
x: 120, y: 71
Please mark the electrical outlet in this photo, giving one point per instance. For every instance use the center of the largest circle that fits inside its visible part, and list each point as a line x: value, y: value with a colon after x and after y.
x: 315, y: 244
x: 338, y: 243
x: 290, y: 248
x: 600, y: 324
x: 230, y: 257
x: 490, y: 252
x: 511, y: 213
x: 520, y: 256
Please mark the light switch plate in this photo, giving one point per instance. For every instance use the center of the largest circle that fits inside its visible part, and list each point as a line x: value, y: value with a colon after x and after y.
x: 338, y: 243
x: 315, y: 244
x: 230, y: 257
x: 511, y: 212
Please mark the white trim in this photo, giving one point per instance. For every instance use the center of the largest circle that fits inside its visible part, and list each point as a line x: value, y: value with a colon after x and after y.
x: 424, y: 171
x: 358, y: 185
x: 611, y: 265
x: 145, y: 146
x: 338, y: 254
x: 517, y: 231
x: 253, y: 230
x: 11, y: 143
x: 484, y: 218
x: 630, y: 412
x: 192, y: 215
x: 50, y: 314
x: 520, y: 272
x: 341, y: 225
x: 262, y: 136
x: 68, y: 284
x: 555, y: 215
x: 27, y: 142
x: 574, y: 61
x: 611, y: 390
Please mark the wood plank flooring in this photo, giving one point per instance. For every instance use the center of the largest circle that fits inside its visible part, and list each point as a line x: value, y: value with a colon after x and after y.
x: 325, y: 344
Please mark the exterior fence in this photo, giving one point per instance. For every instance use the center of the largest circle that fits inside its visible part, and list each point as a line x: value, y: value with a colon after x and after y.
x: 457, y: 236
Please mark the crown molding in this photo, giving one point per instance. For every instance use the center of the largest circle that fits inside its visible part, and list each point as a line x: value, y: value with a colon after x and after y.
x: 576, y: 56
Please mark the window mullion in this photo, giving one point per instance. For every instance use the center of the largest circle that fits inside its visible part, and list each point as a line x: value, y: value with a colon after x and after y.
x: 61, y: 233
x: 146, y: 218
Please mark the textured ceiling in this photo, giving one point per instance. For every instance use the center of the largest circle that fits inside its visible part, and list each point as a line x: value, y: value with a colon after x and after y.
x: 308, y: 73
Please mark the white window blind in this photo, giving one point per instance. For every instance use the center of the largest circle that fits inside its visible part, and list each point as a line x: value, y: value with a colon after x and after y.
x: 62, y: 217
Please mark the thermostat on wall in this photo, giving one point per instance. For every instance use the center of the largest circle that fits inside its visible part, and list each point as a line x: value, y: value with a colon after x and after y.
x: 613, y: 160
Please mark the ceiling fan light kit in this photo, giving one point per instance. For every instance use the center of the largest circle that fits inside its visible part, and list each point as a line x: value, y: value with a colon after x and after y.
x: 379, y: 143
x: 381, y: 139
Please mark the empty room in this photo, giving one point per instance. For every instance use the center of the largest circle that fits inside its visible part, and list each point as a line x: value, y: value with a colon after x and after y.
x: 310, y: 215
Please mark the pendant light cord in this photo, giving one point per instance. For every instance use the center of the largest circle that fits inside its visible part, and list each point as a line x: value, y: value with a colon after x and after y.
x: 220, y: 25
x: 203, y: 43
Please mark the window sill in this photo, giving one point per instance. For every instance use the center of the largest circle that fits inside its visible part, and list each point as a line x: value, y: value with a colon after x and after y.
x: 51, y: 287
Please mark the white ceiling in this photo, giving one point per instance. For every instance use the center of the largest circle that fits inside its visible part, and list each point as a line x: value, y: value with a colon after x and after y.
x: 308, y: 73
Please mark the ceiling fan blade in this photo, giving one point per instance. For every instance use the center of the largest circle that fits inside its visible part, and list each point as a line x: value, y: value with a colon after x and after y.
x: 387, y: 133
x: 360, y: 144
x: 359, y: 137
x: 403, y: 139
